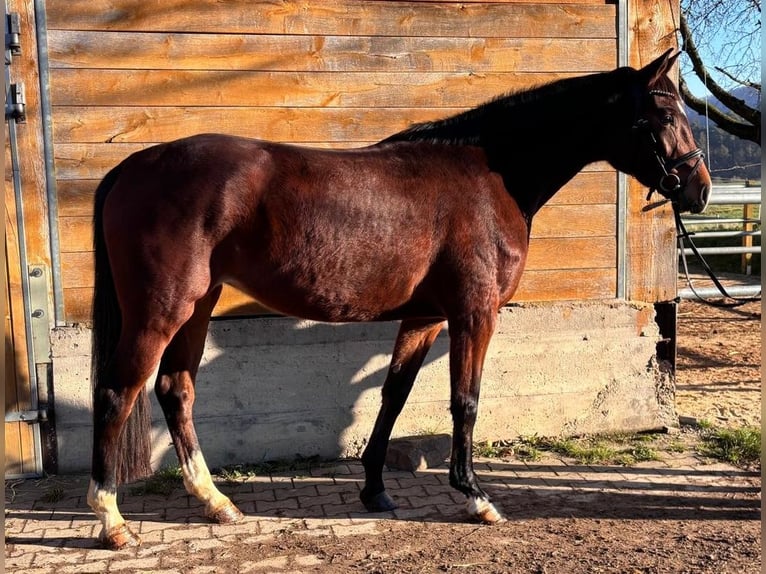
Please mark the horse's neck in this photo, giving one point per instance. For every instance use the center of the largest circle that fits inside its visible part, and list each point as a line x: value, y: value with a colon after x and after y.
x: 535, y: 169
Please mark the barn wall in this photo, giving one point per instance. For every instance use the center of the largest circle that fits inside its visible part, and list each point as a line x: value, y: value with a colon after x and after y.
x: 126, y: 75
x: 273, y: 388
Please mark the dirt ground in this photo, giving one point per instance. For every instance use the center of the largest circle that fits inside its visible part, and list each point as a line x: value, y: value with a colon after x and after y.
x: 719, y: 364
x: 704, y: 529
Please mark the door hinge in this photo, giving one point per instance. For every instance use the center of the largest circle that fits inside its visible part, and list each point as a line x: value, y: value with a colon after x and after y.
x: 29, y: 417
x: 13, y: 33
x: 16, y: 103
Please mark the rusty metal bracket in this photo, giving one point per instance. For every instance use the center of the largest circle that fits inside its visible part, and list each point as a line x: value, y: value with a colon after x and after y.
x: 39, y: 314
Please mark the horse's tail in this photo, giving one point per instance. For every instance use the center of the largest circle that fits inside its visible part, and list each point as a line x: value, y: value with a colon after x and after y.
x: 134, y: 455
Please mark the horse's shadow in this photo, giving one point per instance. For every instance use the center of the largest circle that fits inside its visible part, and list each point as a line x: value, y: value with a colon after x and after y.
x: 276, y: 388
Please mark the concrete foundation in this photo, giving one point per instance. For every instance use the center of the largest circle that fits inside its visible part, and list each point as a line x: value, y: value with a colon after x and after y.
x: 271, y: 388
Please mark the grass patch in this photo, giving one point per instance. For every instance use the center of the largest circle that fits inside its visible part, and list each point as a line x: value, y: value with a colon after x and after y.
x: 162, y: 482
x: 241, y: 472
x: 585, y: 450
x: 53, y: 494
x: 619, y: 449
x: 741, y: 446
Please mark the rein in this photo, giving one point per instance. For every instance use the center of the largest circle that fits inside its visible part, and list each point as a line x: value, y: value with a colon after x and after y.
x: 682, y: 233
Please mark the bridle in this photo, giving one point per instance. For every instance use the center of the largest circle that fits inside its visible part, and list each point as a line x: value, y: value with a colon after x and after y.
x: 669, y: 184
x: 670, y: 187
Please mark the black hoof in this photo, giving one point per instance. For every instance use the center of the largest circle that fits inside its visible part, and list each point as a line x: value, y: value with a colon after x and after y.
x: 380, y: 502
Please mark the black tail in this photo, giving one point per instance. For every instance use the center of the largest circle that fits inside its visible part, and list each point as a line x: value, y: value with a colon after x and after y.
x: 134, y: 454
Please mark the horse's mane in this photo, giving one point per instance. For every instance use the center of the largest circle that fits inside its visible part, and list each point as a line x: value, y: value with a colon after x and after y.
x: 513, y: 108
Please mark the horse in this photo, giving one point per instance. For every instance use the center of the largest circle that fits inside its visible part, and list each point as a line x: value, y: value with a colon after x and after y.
x: 429, y: 225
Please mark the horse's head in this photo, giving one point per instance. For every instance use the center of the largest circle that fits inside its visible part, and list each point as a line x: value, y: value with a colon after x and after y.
x: 661, y: 151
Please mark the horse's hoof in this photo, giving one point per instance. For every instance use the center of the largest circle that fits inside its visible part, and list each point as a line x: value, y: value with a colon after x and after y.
x: 226, y: 514
x: 380, y: 502
x: 484, y: 511
x: 119, y: 537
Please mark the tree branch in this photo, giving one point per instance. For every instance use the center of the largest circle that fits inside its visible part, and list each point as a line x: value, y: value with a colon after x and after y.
x: 736, y: 105
x: 747, y: 83
x: 750, y: 132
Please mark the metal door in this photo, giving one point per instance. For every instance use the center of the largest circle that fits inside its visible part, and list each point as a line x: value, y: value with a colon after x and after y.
x: 29, y: 444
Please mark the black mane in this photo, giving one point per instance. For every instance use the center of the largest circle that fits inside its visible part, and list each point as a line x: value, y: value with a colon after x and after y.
x: 552, y: 101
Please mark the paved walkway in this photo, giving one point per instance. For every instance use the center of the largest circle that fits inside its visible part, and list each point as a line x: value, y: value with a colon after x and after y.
x: 50, y: 529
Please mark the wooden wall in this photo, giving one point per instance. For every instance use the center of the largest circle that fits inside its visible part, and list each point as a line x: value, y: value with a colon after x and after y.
x: 126, y: 74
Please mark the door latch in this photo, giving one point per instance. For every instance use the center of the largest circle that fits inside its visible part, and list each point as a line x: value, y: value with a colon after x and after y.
x: 15, y: 103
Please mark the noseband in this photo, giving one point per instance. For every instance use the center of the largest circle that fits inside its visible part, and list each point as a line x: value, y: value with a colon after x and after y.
x: 669, y: 184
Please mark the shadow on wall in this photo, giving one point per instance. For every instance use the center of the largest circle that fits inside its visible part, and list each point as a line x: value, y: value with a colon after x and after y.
x: 273, y: 388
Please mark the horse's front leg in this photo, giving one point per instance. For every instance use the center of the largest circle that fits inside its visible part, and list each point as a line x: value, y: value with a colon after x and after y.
x: 469, y: 339
x: 413, y: 342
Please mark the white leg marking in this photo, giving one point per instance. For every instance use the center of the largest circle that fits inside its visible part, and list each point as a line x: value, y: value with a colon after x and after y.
x: 104, y: 504
x: 199, y: 483
x: 483, y: 510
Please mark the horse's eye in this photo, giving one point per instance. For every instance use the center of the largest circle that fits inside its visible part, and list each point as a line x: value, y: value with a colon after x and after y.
x: 667, y: 120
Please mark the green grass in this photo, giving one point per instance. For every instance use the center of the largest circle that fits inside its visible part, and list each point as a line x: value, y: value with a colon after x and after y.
x: 241, y: 472
x: 162, y: 482
x: 741, y: 446
x: 53, y: 494
x: 621, y: 449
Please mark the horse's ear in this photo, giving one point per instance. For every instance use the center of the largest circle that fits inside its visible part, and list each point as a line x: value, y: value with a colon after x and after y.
x: 653, y: 71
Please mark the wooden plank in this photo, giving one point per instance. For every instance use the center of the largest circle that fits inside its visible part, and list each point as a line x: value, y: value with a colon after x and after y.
x: 161, y: 124
x: 588, y: 188
x: 558, y: 285
x: 575, y: 221
x: 571, y: 253
x: 285, y: 53
x: 651, y: 252
x: 17, y: 389
x: 141, y: 127
x: 145, y: 88
x: 343, y: 18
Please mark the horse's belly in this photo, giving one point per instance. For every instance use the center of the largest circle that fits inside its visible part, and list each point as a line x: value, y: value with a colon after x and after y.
x: 339, y: 289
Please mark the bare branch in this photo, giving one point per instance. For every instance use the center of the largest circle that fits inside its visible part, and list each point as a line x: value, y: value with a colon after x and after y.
x: 750, y: 132
x: 747, y: 83
x: 735, y: 104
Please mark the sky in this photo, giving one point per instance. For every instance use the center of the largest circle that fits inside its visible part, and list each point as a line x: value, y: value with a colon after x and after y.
x: 719, y: 46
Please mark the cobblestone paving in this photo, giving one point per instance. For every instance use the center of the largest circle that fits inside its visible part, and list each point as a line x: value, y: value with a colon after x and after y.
x: 46, y: 536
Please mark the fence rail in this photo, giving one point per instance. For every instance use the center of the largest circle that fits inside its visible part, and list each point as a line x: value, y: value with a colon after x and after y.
x: 743, y: 195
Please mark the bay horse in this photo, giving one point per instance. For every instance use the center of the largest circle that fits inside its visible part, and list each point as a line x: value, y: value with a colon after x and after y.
x: 429, y: 225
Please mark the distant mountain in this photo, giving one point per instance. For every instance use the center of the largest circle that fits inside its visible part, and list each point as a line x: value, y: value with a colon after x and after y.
x: 730, y: 157
x: 750, y: 96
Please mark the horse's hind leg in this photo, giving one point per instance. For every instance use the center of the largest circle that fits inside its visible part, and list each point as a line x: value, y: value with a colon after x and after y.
x: 175, y: 392
x: 413, y: 342
x: 135, y: 361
